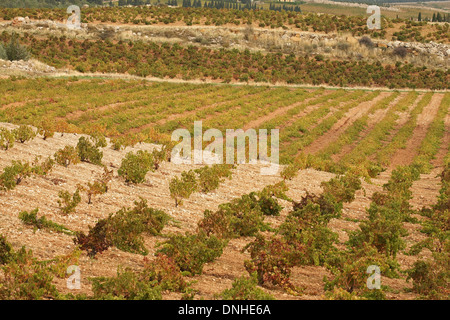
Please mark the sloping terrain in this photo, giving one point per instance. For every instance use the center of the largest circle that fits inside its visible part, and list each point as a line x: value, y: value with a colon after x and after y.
x: 42, y: 192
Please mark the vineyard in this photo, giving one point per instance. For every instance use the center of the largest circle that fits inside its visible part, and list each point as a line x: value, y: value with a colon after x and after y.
x: 95, y: 205
x: 393, y: 29
x: 172, y: 61
x: 86, y: 179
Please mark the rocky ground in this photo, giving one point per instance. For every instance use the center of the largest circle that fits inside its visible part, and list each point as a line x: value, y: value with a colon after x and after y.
x: 21, y: 68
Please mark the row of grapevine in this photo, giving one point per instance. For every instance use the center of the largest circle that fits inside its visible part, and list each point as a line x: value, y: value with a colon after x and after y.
x: 174, y: 61
x: 326, y: 23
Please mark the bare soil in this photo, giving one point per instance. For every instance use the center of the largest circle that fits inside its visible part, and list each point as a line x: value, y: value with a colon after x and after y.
x: 42, y: 192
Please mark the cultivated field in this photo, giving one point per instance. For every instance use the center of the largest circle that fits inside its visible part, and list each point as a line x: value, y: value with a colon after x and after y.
x: 373, y: 136
x: 91, y: 189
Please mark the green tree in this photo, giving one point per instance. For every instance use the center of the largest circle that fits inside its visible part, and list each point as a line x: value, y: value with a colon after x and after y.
x: 16, y: 51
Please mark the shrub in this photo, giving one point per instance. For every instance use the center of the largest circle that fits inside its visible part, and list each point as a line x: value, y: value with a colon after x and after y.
x: 327, y: 206
x: 24, y: 133
x: 216, y: 223
x: 208, y: 180
x: 23, y: 277
x: 401, y: 181
x: 134, y: 167
x: 444, y: 193
x: 223, y: 170
x: 400, y: 51
x: 191, y: 251
x: 343, y: 46
x: 289, y: 171
x: 182, y: 188
x: 245, y: 216
x: 97, y: 240
x: 14, y: 174
x: 99, y: 186
x: 167, y: 273
x: 46, y: 128
x: 6, y: 139
x: 366, y: 41
x: 67, y: 202
x: 240, y: 217
x: 66, y: 156
x: 382, y: 231
x: 98, y: 139
x: 342, y: 188
x: 244, y: 288
x: 304, y: 229
x: 26, y: 278
x: 118, y: 143
x: 6, y: 250
x: 349, y: 269
x: 272, y: 260
x: 160, y: 156
x: 88, y: 152
x: 268, y: 205
x: 123, y: 229
x: 431, y: 278
x: 43, y: 168
x: 127, y: 285
x: 30, y: 218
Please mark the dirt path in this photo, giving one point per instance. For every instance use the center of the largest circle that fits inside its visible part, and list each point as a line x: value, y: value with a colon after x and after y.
x: 72, y: 73
x: 342, y: 124
x: 424, y: 120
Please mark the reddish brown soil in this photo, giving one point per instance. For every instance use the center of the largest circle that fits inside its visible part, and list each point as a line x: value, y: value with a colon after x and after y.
x: 405, y: 156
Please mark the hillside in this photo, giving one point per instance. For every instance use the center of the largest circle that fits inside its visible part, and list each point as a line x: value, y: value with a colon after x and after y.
x: 107, y: 132
x: 216, y: 276
x: 419, y: 121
